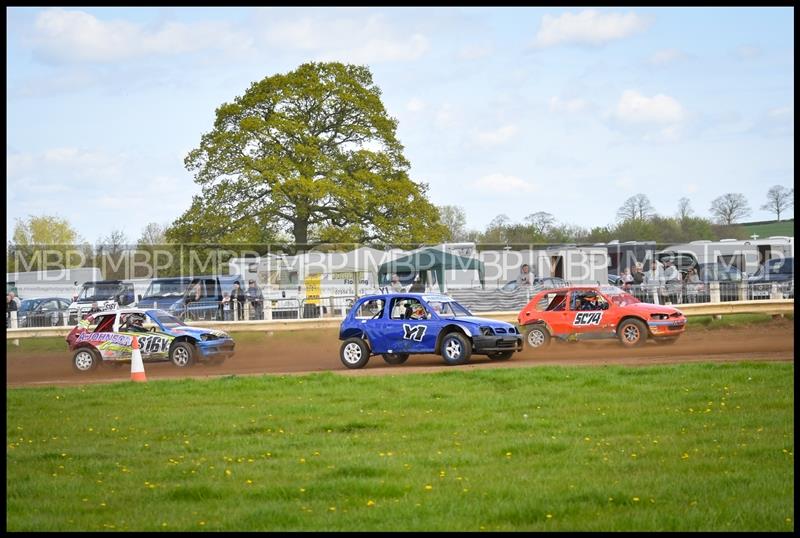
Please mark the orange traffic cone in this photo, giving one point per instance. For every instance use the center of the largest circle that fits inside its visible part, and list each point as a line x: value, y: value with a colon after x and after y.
x: 137, y: 366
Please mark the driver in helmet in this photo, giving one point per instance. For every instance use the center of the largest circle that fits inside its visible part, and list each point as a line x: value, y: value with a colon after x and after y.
x: 136, y: 323
x: 589, y: 302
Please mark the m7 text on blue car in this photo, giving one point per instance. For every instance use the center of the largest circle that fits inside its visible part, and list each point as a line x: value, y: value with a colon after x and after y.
x: 397, y: 325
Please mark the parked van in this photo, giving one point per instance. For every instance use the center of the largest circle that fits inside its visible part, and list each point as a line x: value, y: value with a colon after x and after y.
x: 105, y: 294
x: 164, y: 292
x: 209, y: 305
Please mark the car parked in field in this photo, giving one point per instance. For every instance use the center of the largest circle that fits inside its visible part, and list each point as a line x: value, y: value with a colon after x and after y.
x: 42, y: 312
x: 107, y: 337
x: 538, y: 283
x: 597, y: 312
x: 779, y: 271
x: 397, y: 325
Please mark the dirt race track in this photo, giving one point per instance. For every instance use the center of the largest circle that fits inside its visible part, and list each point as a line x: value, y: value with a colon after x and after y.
x: 296, y: 353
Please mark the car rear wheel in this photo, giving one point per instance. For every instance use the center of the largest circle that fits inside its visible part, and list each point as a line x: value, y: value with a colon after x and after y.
x: 354, y: 353
x: 85, y: 360
x: 456, y: 349
x: 632, y: 333
x: 501, y: 355
x: 537, y: 337
x: 182, y: 355
x: 395, y: 358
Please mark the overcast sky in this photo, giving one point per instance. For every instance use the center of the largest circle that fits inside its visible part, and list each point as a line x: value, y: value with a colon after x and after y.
x: 502, y: 110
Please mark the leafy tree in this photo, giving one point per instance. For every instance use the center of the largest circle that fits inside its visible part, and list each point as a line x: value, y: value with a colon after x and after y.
x: 541, y: 221
x: 44, y: 242
x: 153, y: 234
x: 455, y: 220
x: 778, y: 199
x: 313, y: 151
x: 636, y: 207
x: 684, y: 208
x: 730, y: 207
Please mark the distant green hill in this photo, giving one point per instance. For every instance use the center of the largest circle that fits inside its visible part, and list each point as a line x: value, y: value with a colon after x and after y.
x: 769, y: 227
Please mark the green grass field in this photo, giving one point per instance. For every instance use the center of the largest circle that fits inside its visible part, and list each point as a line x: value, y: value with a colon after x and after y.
x: 767, y: 229
x: 680, y: 447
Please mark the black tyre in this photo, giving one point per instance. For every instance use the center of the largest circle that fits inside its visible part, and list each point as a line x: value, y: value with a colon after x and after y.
x: 632, y: 333
x: 395, y: 358
x: 85, y: 360
x: 537, y: 337
x: 354, y: 353
x: 182, y: 355
x: 456, y: 349
x: 666, y: 341
x: 501, y: 355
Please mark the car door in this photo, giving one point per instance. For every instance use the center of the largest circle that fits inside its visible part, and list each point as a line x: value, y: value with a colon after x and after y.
x: 587, y: 323
x: 110, y: 344
x: 395, y: 333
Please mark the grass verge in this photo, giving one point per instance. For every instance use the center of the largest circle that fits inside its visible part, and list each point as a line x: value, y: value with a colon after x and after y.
x: 682, y: 447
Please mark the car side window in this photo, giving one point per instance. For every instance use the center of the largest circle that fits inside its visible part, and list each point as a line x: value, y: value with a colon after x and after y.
x: 370, y: 309
x: 102, y: 324
x: 398, y: 309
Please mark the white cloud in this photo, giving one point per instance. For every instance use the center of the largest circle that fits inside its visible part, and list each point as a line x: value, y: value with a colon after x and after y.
x: 634, y: 107
x: 666, y: 56
x: 474, y: 52
x: 568, y: 105
x: 76, y: 36
x: 587, y: 27
x: 416, y: 105
x: 447, y: 116
x: 349, y: 40
x: 748, y: 52
x: 503, y: 184
x: 494, y: 137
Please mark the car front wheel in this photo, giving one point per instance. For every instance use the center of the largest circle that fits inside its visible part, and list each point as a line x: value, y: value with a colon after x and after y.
x: 85, y: 360
x: 537, y: 337
x: 354, y: 353
x: 456, y: 349
x: 182, y: 355
x: 632, y: 333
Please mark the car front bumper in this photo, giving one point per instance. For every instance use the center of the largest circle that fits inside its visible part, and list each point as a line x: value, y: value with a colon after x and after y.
x: 491, y: 344
x: 213, y: 349
x: 667, y: 327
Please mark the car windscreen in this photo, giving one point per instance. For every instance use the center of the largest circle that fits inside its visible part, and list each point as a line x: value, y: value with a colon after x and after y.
x: 170, y: 322
x: 100, y: 292
x: 160, y: 289
x: 618, y: 296
x: 29, y: 304
x: 449, y: 309
x: 777, y: 266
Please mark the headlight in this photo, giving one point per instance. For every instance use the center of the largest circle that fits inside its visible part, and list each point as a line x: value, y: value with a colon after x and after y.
x: 659, y: 316
x: 208, y: 336
x: 487, y: 331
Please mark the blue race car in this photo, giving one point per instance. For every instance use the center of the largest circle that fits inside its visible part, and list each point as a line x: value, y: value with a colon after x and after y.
x: 396, y: 325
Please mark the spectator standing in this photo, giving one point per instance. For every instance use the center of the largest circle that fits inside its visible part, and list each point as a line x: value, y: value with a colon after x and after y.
x: 256, y: 298
x: 11, y: 306
x: 525, y: 278
x: 654, y: 282
x: 227, y: 314
x: 417, y: 286
x: 396, y: 286
x: 15, y: 299
x: 238, y: 298
x: 627, y: 279
x: 672, y: 279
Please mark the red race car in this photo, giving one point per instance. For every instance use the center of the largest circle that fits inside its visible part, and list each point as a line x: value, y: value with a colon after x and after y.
x: 595, y: 312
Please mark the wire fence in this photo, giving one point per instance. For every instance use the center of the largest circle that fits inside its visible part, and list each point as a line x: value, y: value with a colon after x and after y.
x: 477, y: 300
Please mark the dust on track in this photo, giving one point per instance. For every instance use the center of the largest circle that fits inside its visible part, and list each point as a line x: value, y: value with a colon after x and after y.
x: 298, y: 354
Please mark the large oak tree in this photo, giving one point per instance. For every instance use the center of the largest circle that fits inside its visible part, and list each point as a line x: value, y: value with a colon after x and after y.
x: 313, y: 153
